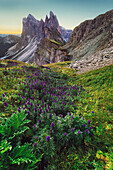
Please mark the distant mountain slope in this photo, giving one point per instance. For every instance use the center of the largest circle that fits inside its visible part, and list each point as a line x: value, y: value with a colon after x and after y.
x: 6, y: 42
x: 91, y: 36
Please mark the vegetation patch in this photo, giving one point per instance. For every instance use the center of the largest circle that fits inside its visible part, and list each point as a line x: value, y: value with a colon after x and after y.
x: 50, y: 112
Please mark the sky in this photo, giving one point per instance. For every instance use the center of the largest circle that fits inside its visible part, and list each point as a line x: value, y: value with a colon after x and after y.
x: 70, y: 13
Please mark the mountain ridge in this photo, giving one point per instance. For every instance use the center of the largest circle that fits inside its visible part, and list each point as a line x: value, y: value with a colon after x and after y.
x: 34, y: 31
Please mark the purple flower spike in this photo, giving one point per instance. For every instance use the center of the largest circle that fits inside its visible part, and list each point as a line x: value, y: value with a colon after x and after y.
x: 72, y: 117
x: 72, y: 129
x: 35, y: 144
x: 5, y: 103
x: 90, y: 127
x: 13, y: 105
x: 39, y: 121
x: 34, y: 125
x: 47, y: 138
x: 84, y: 125
x: 31, y: 104
x: 79, y: 132
x: 19, y: 109
x: 3, y: 95
x: 28, y: 112
x: 69, y: 114
x: 44, y: 111
x: 87, y: 130
x: 60, y: 115
x: 52, y: 124
x: 88, y: 122
x: 50, y: 130
x: 65, y: 134
x: 36, y: 137
x: 35, y: 109
x: 50, y: 115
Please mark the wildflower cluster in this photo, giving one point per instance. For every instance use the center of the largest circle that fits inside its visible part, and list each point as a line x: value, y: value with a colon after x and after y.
x: 50, y: 106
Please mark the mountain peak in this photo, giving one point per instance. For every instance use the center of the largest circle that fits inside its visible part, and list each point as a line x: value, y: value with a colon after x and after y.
x: 51, y: 14
x: 30, y: 17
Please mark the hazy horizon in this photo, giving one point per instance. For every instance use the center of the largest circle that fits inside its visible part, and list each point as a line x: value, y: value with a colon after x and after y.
x: 69, y: 13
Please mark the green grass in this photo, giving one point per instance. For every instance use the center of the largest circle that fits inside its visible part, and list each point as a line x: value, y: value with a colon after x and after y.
x: 58, y: 43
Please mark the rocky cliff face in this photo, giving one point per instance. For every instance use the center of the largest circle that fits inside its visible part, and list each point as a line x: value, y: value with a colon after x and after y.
x: 49, y: 51
x: 91, y: 36
x: 34, y: 33
x: 65, y: 33
x: 6, y: 42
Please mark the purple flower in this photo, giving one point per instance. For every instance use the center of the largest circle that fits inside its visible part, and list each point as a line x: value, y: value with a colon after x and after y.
x: 47, y: 138
x: 23, y: 108
x: 79, y: 132
x: 80, y: 117
x: 29, y: 108
x: 5, y: 103
x: 92, y: 111
x: 31, y: 104
x: 39, y: 121
x: 36, y: 137
x: 35, y: 144
x: 50, y: 115
x: 84, y: 125
x: 3, y: 95
x: 44, y: 111
x: 87, y: 130
x: 88, y: 122
x: 34, y: 125
x: 72, y: 117
x: 60, y: 115
x: 28, y: 112
x: 35, y: 109
x: 23, y: 97
x: 52, y: 124
x: 69, y: 114
x: 65, y: 134
x: 13, y: 105
x: 90, y: 127
x: 19, y: 109
x: 50, y: 130
x: 72, y: 129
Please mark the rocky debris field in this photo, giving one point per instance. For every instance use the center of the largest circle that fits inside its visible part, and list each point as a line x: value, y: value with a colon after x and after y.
x: 96, y: 61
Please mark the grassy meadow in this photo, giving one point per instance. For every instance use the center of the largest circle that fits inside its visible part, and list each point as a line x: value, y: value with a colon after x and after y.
x: 51, y: 118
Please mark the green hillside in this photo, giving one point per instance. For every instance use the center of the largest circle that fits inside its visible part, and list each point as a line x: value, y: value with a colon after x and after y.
x: 51, y: 111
